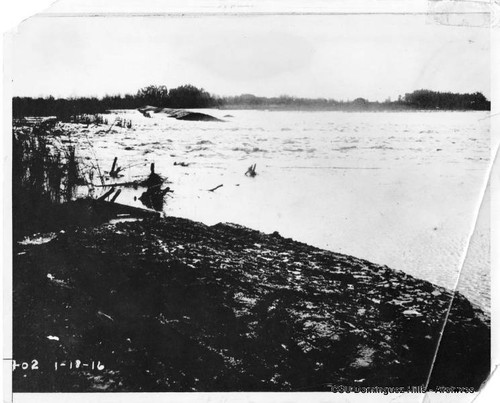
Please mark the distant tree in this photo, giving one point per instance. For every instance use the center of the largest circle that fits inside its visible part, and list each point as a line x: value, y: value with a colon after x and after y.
x: 360, y: 103
x: 156, y: 95
x: 188, y: 96
x: 425, y: 99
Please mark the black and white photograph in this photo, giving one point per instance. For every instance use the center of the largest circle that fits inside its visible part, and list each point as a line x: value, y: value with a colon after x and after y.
x: 250, y: 202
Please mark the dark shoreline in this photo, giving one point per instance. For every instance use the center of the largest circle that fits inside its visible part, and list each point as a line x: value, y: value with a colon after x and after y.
x: 174, y: 305
x: 190, y: 97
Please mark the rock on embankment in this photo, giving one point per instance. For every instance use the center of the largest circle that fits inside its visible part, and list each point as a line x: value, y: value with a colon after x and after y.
x: 179, y: 114
x: 174, y: 305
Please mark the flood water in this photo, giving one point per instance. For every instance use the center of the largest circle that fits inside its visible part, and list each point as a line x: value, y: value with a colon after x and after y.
x: 400, y: 189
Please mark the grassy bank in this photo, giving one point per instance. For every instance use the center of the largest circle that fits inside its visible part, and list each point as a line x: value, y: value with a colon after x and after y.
x: 43, y: 176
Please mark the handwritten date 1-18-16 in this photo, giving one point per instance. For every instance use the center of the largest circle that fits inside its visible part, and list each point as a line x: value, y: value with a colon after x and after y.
x: 33, y: 365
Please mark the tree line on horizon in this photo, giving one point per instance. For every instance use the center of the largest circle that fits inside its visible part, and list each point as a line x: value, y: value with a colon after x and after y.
x: 189, y: 96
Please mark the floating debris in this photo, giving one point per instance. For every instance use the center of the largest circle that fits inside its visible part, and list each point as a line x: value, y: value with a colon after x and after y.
x: 251, y: 171
x: 215, y: 188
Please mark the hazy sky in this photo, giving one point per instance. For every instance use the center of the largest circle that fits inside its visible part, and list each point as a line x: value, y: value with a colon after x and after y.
x: 342, y: 57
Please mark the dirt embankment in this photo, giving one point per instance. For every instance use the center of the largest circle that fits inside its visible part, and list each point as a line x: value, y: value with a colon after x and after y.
x: 174, y: 305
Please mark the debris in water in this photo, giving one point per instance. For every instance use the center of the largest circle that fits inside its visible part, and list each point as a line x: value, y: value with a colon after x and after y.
x: 115, y: 170
x: 251, y: 171
x: 215, y: 188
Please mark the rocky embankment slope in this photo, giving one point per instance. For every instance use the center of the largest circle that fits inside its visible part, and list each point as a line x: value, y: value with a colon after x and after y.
x: 174, y: 305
